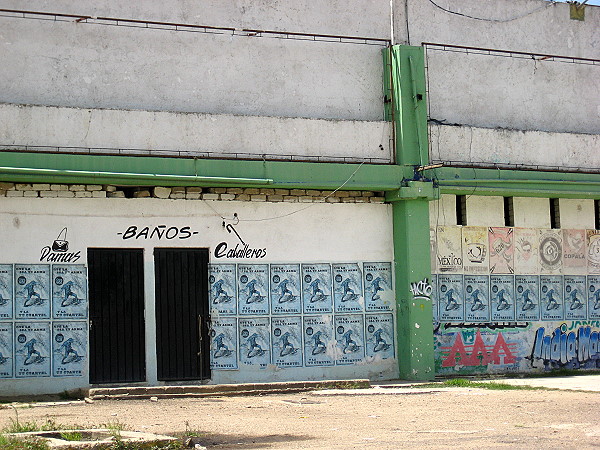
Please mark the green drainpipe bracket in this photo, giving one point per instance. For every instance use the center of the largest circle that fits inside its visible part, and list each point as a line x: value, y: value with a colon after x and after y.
x: 413, y: 190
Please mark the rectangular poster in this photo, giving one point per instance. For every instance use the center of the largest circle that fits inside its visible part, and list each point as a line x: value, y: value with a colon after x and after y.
x: 551, y: 297
x: 255, y: 345
x: 32, y: 291
x: 526, y: 251
x: 347, y: 288
x: 6, y: 350
x: 6, y: 291
x: 223, y: 344
x: 286, y: 289
x: 477, y: 298
x: 527, y: 295
x: 593, y: 290
x: 449, y: 249
x: 432, y: 249
x: 286, y: 339
x: 223, y: 289
x: 317, y: 289
x: 350, y: 339
x: 502, y: 296
x: 574, y: 252
x: 550, y: 251
x: 593, y: 251
x: 319, y: 341
x: 475, y: 250
x: 69, y: 342
x: 32, y: 349
x: 379, y: 288
x: 253, y: 289
x: 434, y: 298
x: 575, y: 297
x: 502, y: 250
x: 450, y: 298
x: 380, y: 336
x: 69, y: 291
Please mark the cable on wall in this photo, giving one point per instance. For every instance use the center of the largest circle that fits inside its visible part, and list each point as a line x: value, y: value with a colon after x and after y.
x: 550, y: 3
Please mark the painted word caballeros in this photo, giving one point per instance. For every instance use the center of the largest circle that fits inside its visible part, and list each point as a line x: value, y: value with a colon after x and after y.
x: 239, y: 251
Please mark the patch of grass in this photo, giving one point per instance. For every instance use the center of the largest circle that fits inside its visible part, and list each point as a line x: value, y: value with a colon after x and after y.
x: 188, y: 433
x: 10, y: 443
x: 492, y: 385
x: 71, y: 435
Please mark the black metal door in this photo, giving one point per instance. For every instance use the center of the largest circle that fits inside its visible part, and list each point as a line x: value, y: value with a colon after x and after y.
x: 117, y: 344
x: 182, y: 314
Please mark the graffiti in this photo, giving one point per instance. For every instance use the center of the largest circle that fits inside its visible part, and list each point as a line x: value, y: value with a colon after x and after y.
x: 421, y: 290
x: 478, y: 353
x: 572, y: 350
x: 487, y: 325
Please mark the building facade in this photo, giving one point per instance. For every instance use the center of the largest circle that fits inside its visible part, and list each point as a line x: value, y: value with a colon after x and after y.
x: 253, y: 191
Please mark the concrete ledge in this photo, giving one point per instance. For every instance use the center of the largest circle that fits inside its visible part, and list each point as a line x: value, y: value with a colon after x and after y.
x: 136, y: 392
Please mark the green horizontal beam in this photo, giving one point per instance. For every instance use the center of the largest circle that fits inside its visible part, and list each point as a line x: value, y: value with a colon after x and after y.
x: 515, y: 183
x: 162, y: 171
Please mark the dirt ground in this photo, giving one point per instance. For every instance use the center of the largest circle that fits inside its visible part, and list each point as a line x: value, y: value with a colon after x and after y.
x: 402, y: 418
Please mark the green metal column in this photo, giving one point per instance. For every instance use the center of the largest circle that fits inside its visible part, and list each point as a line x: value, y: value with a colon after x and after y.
x: 414, y: 312
x: 410, y: 206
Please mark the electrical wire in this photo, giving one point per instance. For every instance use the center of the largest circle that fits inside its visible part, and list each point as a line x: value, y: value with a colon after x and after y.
x: 550, y: 3
x: 293, y: 212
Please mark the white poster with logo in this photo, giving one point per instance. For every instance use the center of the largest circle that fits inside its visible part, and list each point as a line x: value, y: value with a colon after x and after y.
x: 380, y: 336
x: 32, y: 349
x: 550, y: 251
x: 253, y: 289
x: 69, y: 291
x: 223, y: 289
x: 6, y: 350
x: 350, y: 339
x: 449, y: 249
x: 69, y: 341
x: 526, y: 251
x: 475, y: 250
x: 319, y: 340
x: 32, y: 291
x: 6, y: 291
x: 527, y: 295
x: 575, y: 297
x: 574, y: 252
x: 347, y: 288
x: 593, y: 251
x: 286, y: 289
x: 477, y: 298
x: 286, y: 339
x: 379, y: 288
x: 551, y: 297
x: 255, y: 343
x: 223, y: 344
x: 317, y: 289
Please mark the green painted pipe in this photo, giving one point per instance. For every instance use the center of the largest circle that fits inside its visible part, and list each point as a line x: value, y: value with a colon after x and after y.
x: 129, y: 175
x: 507, y: 180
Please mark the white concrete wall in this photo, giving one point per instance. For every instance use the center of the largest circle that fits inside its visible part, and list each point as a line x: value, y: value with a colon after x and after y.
x: 515, y: 93
x: 163, y: 133
x: 443, y: 211
x: 531, y: 212
x: 577, y: 213
x: 512, y: 147
x: 325, y: 236
x: 100, y: 66
x: 548, y: 29
x: 365, y: 18
x: 485, y: 210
